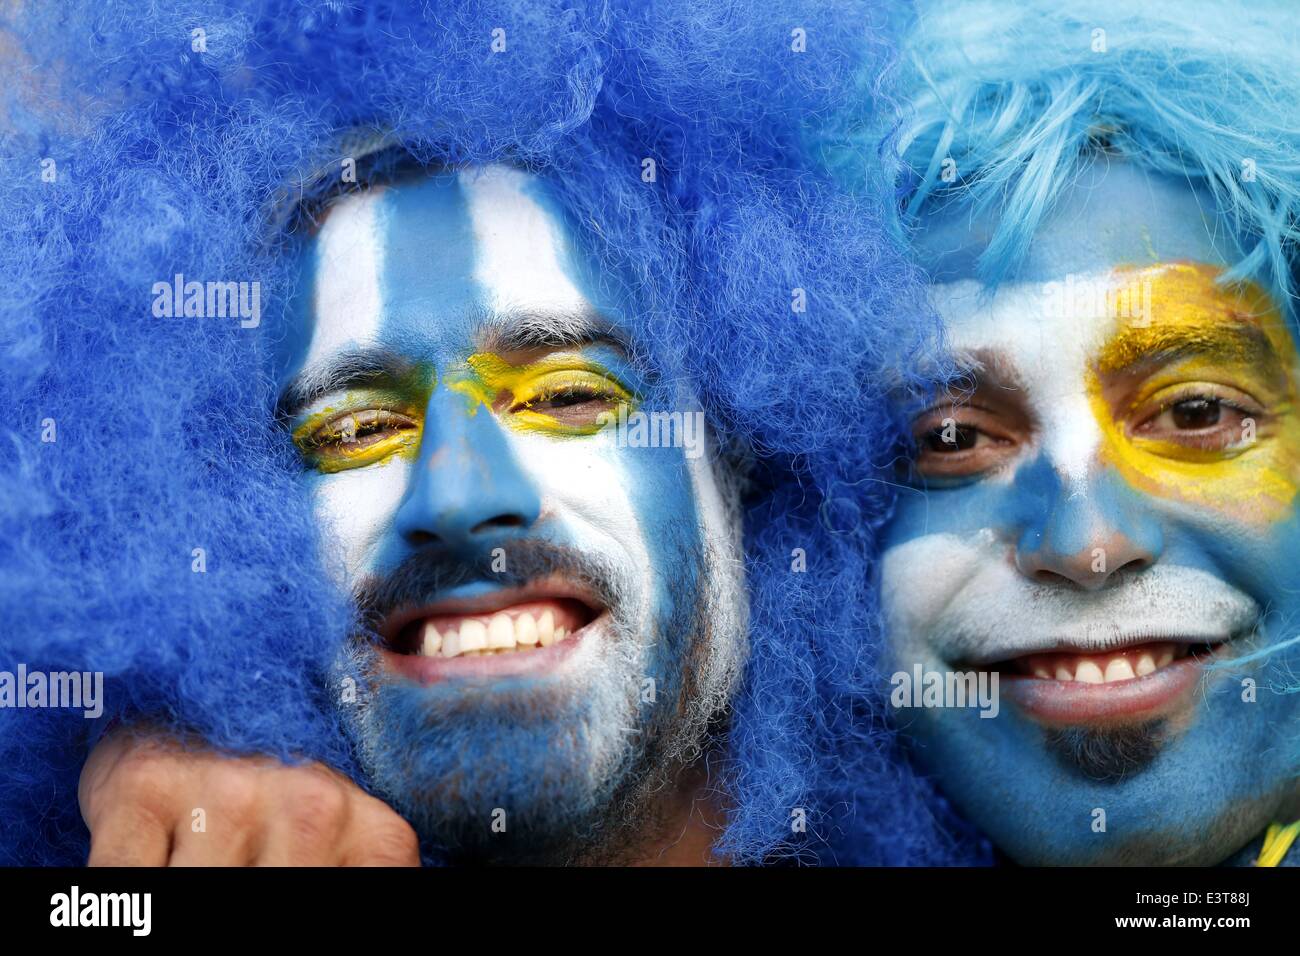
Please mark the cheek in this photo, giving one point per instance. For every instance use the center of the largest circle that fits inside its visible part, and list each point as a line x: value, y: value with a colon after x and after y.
x: 584, y: 485
x: 1260, y: 561
x: 635, y: 504
x: 920, y: 577
x: 356, y: 507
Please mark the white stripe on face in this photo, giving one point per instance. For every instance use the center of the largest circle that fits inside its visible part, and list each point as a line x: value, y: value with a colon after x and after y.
x: 518, y: 249
x: 348, y: 305
x: 1049, y: 352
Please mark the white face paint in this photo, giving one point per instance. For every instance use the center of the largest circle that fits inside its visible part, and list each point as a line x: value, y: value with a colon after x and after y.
x: 522, y: 252
x: 468, y: 306
x: 1089, y: 581
x: 1049, y: 353
x: 521, y: 263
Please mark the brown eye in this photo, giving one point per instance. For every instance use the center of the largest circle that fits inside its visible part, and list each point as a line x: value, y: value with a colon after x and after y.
x: 965, y: 443
x: 951, y: 438
x: 1206, y: 421
x: 567, y: 398
x: 576, y: 405
x: 359, y: 430
x: 1196, y: 413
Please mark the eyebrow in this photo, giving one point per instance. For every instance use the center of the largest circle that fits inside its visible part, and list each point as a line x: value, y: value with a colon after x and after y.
x: 511, y: 331
x: 1140, y: 345
x: 520, y: 330
x: 354, y: 368
x: 984, y: 367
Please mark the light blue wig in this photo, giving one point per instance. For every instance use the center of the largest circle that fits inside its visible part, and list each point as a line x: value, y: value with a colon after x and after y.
x: 1013, y: 100
x: 1021, y: 96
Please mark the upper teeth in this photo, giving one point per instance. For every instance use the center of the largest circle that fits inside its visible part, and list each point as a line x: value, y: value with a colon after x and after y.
x: 501, y: 634
x: 1105, y: 668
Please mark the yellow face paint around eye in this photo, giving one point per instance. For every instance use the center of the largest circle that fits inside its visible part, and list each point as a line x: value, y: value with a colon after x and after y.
x: 489, y: 378
x: 486, y: 378
x: 1197, y: 331
x: 323, y: 437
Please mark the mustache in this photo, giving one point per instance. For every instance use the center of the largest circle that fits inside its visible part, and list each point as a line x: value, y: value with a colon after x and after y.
x: 426, y: 576
x: 987, y: 622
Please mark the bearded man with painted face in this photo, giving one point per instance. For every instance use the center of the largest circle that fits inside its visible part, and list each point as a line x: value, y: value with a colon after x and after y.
x: 1103, y: 503
x: 421, y: 521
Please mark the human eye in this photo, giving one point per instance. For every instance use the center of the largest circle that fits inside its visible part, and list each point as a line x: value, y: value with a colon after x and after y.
x: 574, y: 401
x: 339, y: 440
x: 961, y: 442
x: 1199, y: 417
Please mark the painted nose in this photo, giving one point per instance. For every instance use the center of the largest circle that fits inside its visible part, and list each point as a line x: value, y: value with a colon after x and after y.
x: 469, y: 491
x: 1085, y: 534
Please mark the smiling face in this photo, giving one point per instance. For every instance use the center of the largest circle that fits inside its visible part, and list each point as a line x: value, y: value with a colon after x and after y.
x: 1106, y: 517
x: 558, y: 613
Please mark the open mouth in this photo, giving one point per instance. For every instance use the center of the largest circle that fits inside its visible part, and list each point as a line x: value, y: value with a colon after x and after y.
x: 505, y: 633
x: 1135, y: 682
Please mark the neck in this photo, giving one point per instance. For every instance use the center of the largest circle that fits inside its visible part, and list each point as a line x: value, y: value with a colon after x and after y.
x: 690, y: 824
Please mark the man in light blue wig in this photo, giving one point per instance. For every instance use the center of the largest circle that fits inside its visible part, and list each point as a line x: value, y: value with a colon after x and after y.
x: 510, y: 467
x: 1090, y: 590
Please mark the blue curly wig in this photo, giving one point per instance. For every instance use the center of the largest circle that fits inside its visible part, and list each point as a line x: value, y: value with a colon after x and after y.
x: 145, y: 141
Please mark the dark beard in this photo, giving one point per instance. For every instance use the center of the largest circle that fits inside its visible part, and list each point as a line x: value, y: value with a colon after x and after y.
x: 455, y: 764
x: 1108, y: 755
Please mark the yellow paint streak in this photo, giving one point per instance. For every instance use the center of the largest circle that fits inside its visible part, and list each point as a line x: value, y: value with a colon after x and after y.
x: 508, y: 391
x: 1200, y: 333
x: 491, y: 381
x: 1277, y: 840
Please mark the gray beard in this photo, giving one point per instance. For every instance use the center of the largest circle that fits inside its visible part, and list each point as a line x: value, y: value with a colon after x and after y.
x: 590, y: 776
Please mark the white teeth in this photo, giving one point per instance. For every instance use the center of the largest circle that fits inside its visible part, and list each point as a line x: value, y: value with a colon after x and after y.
x: 525, y: 630
x: 1103, y: 668
x: 1089, y: 673
x: 473, y: 636
x: 432, y: 642
x: 501, y: 633
x: 1119, y: 669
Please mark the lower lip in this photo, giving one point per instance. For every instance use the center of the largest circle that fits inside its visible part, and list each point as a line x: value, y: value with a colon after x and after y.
x: 1074, y: 702
x: 435, y: 670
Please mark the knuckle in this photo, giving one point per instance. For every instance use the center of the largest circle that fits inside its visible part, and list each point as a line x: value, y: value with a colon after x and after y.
x: 392, y: 842
x: 145, y: 763
x: 232, y: 791
x: 316, y: 805
x: 150, y: 796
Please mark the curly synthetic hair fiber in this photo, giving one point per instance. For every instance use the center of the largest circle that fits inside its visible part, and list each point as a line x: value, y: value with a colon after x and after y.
x: 1019, y: 98
x: 1022, y: 96
x: 163, y: 537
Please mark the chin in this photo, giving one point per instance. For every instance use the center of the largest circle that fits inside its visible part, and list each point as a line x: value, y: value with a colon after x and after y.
x: 521, y: 768
x: 1170, y: 795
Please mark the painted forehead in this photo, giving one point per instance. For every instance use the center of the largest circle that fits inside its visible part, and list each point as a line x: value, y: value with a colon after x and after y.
x: 1113, y: 213
x: 1121, y: 250
x: 1125, y: 319
x: 431, y: 266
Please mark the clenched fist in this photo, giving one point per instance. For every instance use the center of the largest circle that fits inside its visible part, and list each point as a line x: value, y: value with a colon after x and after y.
x: 149, y: 801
